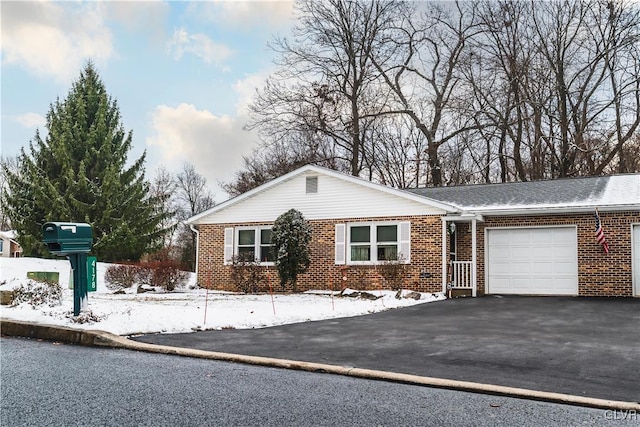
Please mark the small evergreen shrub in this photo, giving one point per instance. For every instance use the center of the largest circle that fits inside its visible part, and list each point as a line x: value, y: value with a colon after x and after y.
x: 291, y: 235
x: 37, y: 293
x: 121, y: 276
x: 247, y: 274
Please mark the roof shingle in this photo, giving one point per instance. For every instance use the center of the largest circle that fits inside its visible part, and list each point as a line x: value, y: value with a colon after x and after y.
x: 614, y: 190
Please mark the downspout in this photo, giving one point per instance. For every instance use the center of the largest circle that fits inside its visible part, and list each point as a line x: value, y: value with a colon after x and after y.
x: 195, y: 230
x: 474, y: 257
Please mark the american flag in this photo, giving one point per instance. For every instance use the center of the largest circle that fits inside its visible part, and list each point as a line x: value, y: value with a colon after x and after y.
x: 600, y: 234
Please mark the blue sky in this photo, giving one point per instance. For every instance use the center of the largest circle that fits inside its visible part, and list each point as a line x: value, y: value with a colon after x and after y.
x: 183, y: 73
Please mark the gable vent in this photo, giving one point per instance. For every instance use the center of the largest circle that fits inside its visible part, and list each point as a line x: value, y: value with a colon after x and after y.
x: 312, y: 184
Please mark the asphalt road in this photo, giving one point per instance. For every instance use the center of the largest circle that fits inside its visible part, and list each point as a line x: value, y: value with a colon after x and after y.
x: 49, y: 384
x: 580, y: 346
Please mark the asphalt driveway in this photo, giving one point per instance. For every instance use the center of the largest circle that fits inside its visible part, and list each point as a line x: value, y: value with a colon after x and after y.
x: 580, y: 346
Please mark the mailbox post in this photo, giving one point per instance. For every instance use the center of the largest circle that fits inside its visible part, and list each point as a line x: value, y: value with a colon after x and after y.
x: 74, y: 241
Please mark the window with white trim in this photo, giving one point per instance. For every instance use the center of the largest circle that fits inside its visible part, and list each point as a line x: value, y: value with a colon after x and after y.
x: 369, y: 243
x: 255, y: 242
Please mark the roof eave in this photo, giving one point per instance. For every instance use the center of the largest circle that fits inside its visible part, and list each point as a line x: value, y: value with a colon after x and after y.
x: 259, y: 189
x: 194, y: 220
x: 547, y: 210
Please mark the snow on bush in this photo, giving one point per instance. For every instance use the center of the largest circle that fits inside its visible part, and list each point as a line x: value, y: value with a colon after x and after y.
x: 85, y: 317
x: 164, y: 274
x: 37, y: 293
x: 290, y: 235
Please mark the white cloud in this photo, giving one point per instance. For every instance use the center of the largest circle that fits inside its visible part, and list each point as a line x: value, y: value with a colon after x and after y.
x: 199, y: 45
x: 53, y: 39
x: 214, y: 145
x: 142, y: 16
x: 245, y: 13
x: 246, y: 90
x: 30, y: 120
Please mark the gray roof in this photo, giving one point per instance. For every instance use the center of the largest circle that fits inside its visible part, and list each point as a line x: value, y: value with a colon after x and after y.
x: 570, y: 193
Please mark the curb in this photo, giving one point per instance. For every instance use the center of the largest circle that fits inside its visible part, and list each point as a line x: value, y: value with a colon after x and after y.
x: 98, y: 338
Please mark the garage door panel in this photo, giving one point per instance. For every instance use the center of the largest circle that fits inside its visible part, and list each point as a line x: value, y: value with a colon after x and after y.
x: 522, y: 239
x: 566, y: 282
x: 565, y: 255
x: 532, y: 261
x: 563, y: 234
x: 542, y: 237
x: 520, y: 268
x: 519, y: 253
x: 563, y: 247
x: 501, y: 240
x: 521, y: 283
x: 564, y: 268
x: 501, y: 253
x: 555, y: 268
x: 541, y: 254
x: 541, y: 269
x: 501, y: 282
x: 501, y: 268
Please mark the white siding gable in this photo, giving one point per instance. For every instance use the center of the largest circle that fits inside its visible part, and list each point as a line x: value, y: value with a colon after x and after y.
x: 335, y: 198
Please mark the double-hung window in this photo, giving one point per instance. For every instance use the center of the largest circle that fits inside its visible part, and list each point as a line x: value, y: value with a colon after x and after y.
x: 386, y: 242
x: 255, y: 243
x: 368, y: 243
x: 360, y: 242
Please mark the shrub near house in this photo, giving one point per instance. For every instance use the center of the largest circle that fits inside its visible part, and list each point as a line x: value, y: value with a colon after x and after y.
x: 163, y: 274
x: 290, y: 236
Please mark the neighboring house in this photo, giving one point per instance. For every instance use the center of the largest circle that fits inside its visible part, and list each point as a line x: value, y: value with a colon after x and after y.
x: 9, y: 247
x: 530, y: 238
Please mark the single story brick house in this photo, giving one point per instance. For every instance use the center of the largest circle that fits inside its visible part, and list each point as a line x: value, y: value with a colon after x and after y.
x: 529, y: 238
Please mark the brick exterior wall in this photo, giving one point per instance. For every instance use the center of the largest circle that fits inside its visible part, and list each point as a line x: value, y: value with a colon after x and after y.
x: 599, y: 274
x: 423, y: 274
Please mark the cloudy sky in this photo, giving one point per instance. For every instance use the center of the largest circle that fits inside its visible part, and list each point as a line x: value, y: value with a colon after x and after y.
x: 182, y: 73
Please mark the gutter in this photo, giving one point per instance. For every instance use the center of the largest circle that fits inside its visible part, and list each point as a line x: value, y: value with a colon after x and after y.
x: 555, y: 210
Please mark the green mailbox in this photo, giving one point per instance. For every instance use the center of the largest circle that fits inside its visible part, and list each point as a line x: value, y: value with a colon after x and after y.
x: 73, y: 240
x: 63, y: 238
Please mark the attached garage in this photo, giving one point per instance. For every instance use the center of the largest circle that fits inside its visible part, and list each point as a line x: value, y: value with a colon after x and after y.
x: 635, y: 251
x: 532, y: 261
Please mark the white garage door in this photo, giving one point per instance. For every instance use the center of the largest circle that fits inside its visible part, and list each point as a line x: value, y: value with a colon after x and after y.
x: 636, y: 260
x: 532, y: 261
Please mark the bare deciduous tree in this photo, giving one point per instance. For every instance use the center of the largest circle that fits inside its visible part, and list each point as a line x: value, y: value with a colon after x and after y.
x: 425, y: 77
x: 590, y: 47
x: 440, y: 93
x: 326, y: 85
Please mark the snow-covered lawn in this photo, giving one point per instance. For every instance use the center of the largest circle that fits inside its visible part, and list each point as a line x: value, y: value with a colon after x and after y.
x: 185, y: 310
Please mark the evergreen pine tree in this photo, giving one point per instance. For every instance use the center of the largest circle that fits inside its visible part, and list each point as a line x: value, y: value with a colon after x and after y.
x: 290, y: 236
x: 79, y: 173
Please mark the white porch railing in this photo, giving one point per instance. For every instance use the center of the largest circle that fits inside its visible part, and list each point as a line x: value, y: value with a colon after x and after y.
x: 462, y: 277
